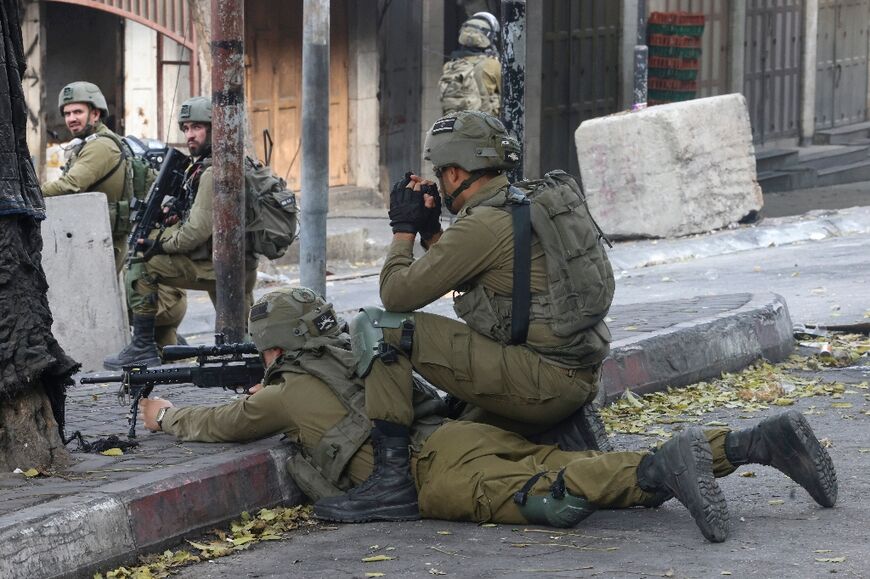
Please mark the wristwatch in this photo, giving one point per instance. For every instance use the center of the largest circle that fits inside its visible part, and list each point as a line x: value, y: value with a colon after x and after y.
x: 160, y: 414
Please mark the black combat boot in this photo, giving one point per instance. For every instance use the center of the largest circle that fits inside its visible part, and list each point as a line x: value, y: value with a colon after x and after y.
x: 389, y: 494
x: 142, y: 350
x: 583, y: 430
x: 683, y: 467
x: 787, y: 443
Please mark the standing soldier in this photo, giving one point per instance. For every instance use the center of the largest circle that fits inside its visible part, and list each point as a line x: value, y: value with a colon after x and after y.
x: 99, y: 161
x: 181, y: 255
x: 530, y: 351
x: 471, y: 79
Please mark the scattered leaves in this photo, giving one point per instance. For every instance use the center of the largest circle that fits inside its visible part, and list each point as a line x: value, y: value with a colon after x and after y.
x: 747, y: 474
x: 113, y: 452
x: 376, y: 574
x: 31, y: 472
x: 268, y: 524
x: 775, y: 502
x: 444, y: 533
x: 830, y: 559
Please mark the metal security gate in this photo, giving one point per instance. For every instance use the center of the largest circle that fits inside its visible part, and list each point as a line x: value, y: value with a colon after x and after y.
x: 774, y: 37
x: 841, y: 77
x: 400, y: 87
x: 714, y: 44
x: 579, y: 76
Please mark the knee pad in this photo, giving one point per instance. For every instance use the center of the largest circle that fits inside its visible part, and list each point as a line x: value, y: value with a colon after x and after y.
x: 367, y: 337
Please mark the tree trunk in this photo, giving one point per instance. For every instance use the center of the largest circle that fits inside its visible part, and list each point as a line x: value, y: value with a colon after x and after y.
x: 34, y: 370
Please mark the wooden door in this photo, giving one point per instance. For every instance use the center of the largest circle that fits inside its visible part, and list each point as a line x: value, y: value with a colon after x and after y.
x: 273, y: 44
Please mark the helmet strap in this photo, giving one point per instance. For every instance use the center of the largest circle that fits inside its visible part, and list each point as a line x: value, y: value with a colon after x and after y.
x: 474, y: 176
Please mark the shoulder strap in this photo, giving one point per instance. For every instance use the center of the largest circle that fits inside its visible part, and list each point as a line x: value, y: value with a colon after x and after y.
x: 521, y: 298
x: 121, y: 158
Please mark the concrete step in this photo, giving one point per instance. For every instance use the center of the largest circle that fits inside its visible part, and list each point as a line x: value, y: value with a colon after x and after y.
x: 844, y: 174
x: 842, y: 135
x: 801, y: 177
x: 774, y: 159
x: 774, y: 181
x: 834, y: 156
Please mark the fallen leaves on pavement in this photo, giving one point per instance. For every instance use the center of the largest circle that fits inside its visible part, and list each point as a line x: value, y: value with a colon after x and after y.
x: 758, y: 387
x: 266, y: 525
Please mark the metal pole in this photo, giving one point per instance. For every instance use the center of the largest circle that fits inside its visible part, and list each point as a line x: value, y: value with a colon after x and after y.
x: 513, y: 71
x: 641, y: 59
x: 315, y: 144
x: 228, y: 99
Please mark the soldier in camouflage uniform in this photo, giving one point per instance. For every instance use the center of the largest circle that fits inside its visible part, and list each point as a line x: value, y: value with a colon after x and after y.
x: 523, y: 387
x: 98, y: 162
x: 464, y: 470
x: 180, y: 256
x: 471, y: 79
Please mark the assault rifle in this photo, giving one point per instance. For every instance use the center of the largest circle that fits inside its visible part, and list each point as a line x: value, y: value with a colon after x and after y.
x: 234, y: 367
x: 145, y: 215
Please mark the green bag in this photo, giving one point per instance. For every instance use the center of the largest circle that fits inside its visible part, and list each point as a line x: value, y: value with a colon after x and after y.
x: 270, y: 220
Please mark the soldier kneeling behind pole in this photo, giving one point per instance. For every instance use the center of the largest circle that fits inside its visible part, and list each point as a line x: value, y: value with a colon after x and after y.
x: 465, y: 470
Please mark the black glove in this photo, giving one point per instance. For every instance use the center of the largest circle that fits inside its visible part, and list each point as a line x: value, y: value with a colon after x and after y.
x: 406, y: 207
x: 431, y: 223
x: 150, y: 248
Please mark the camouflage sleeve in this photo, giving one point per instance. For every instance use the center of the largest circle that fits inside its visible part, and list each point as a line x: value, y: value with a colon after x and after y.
x: 96, y: 160
x: 257, y: 416
x: 197, y: 228
x: 466, y: 249
x: 491, y: 76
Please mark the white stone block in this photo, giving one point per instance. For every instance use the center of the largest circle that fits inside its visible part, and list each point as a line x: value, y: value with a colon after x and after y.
x: 83, y: 290
x: 670, y: 170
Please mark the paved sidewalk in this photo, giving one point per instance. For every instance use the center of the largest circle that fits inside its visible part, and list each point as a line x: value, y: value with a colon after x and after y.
x: 105, y: 510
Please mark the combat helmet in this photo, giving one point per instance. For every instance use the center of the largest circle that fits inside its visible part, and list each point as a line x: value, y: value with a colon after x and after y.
x: 471, y: 140
x: 287, y: 318
x: 83, y: 92
x: 479, y: 31
x: 195, y: 109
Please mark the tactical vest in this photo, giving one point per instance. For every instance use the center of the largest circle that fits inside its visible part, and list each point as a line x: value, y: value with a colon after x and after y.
x: 119, y: 211
x: 320, y: 472
x: 579, y: 275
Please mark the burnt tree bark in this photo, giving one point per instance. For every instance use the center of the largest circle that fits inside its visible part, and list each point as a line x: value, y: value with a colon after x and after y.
x: 34, y: 370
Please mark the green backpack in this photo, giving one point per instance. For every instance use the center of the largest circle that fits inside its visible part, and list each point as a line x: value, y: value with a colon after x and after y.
x: 459, y: 89
x: 270, y: 211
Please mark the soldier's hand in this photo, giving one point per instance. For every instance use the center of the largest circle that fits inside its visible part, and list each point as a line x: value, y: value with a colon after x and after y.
x: 406, y: 207
x: 150, y: 248
x: 431, y: 223
x: 255, y: 388
x: 148, y: 408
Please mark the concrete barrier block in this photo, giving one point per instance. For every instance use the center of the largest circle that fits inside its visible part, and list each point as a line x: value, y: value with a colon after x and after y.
x: 83, y: 290
x: 670, y: 170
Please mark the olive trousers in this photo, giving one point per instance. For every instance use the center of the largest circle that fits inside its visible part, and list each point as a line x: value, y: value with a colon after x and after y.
x: 512, y: 386
x: 470, y: 472
x: 174, y: 271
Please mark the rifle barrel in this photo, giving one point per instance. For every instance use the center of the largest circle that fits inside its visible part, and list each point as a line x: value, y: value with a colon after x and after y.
x: 171, y: 353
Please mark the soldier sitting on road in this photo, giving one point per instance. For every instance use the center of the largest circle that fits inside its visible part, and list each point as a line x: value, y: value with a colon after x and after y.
x: 180, y: 256
x: 530, y: 351
x: 464, y: 470
x: 99, y: 162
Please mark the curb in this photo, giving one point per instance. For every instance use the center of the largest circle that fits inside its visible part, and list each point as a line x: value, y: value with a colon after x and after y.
x: 77, y: 535
x: 685, y: 354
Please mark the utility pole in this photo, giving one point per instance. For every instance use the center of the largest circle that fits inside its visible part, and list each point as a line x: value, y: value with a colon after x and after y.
x: 513, y: 72
x: 228, y: 150
x: 315, y: 144
x: 641, y: 59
